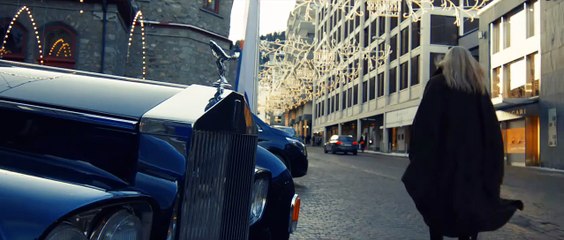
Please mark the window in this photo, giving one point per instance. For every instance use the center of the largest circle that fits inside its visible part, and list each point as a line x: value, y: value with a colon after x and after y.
x: 366, y: 37
x: 355, y: 94
x: 372, y: 88
x: 514, y: 79
x: 415, y: 70
x: 365, y: 91
x: 349, y: 99
x: 443, y: 30
x: 393, y: 22
x: 403, y: 75
x: 470, y: 25
x: 496, y: 36
x: 393, y: 47
x: 337, y: 102
x: 381, y: 26
x: 365, y: 66
x: 380, y: 84
x: 344, y: 105
x: 404, y: 41
x: 496, y: 82
x: 531, y: 12
x: 212, y: 5
x: 373, y: 30
x: 415, y: 34
x: 15, y: 46
x: 59, y: 46
x: 532, y: 87
x: 392, y: 81
x: 507, y: 32
x: 434, y: 60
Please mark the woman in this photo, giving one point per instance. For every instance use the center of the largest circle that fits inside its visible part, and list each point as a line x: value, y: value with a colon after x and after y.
x: 456, y: 153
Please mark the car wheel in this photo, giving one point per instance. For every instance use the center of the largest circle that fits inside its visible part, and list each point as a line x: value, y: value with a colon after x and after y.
x: 333, y: 150
x: 325, y: 149
x: 355, y: 152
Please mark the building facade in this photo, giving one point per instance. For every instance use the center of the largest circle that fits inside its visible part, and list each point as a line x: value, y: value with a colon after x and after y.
x: 107, y: 36
x: 378, y: 96
x: 520, y: 43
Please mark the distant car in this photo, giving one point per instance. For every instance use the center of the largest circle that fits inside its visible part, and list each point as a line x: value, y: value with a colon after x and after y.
x: 290, y: 150
x: 341, y: 143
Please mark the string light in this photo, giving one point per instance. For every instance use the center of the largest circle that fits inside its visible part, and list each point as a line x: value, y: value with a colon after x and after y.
x: 138, y: 18
x: 16, y: 16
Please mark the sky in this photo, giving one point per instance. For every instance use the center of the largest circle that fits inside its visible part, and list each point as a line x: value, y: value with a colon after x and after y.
x: 273, y: 17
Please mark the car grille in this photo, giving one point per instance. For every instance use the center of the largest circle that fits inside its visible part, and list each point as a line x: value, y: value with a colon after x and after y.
x: 218, y: 189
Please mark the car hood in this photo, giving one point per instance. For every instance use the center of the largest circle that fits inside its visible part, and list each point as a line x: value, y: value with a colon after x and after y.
x: 29, y: 204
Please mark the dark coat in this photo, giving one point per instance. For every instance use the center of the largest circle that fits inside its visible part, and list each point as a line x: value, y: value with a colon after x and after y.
x: 456, y: 162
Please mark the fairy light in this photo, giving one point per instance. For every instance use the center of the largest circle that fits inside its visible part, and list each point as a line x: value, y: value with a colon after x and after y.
x: 14, y: 19
x: 138, y: 18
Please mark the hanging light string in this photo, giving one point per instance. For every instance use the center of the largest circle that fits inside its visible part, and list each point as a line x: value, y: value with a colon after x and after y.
x: 16, y: 16
x: 138, y: 18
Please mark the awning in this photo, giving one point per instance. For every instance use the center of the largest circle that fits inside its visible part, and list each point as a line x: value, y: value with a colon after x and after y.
x: 506, y: 116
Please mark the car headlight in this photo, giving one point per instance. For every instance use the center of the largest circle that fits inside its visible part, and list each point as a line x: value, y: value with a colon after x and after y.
x: 298, y: 144
x: 113, y: 222
x: 260, y: 192
x: 120, y: 225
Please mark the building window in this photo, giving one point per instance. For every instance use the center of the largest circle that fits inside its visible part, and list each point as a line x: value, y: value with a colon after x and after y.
x: 415, y: 70
x: 404, y: 41
x: 365, y: 91
x: 443, y: 30
x: 506, y: 32
x: 15, y: 47
x: 337, y: 102
x: 496, y: 82
x: 514, y: 80
x: 355, y: 94
x: 344, y: 105
x: 392, y: 80
x: 381, y: 26
x: 366, y: 37
x: 393, y: 47
x: 393, y: 22
x: 434, y: 59
x: 372, y: 88
x: 380, y: 84
x: 212, y: 5
x: 403, y: 75
x: 470, y: 25
x: 415, y: 34
x: 531, y: 12
x: 532, y: 87
x: 496, y: 36
x: 349, y: 97
x: 60, y: 46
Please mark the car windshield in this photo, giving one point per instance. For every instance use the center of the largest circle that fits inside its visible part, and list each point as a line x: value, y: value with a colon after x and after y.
x: 289, y: 130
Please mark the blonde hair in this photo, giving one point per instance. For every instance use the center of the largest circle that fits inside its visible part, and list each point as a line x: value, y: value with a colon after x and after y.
x: 462, y: 71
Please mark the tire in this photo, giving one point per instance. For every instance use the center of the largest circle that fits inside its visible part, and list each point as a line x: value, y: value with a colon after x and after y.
x: 324, y: 149
x: 333, y: 150
x: 355, y: 152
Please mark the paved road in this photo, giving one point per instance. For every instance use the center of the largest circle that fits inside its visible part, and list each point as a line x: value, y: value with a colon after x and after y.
x: 362, y: 197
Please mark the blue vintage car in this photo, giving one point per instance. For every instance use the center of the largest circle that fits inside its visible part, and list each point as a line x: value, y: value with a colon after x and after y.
x: 91, y: 156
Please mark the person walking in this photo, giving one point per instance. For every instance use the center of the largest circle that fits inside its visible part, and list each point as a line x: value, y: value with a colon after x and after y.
x: 456, y: 153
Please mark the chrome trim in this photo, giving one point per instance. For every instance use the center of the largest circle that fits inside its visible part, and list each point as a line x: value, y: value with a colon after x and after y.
x: 293, y: 225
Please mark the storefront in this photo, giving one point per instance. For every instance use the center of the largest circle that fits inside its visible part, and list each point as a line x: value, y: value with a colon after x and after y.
x: 398, y: 125
x: 520, y: 131
x: 372, y: 131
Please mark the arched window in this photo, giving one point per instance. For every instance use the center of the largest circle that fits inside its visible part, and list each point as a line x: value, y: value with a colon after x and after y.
x: 60, y: 46
x: 16, y: 41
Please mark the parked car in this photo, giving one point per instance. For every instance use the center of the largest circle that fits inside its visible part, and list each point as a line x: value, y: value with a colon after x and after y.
x: 279, y: 219
x: 93, y: 156
x: 341, y: 143
x: 289, y: 149
x: 290, y: 130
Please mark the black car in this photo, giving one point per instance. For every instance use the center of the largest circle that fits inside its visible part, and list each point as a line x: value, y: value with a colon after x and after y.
x: 285, y: 146
x: 341, y: 143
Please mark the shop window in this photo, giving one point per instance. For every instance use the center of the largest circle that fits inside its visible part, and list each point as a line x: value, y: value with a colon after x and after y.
x: 514, y: 79
x: 15, y: 47
x: 60, y: 46
x: 211, y: 5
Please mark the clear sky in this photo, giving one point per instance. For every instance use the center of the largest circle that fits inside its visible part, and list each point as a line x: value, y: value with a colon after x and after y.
x: 273, y: 17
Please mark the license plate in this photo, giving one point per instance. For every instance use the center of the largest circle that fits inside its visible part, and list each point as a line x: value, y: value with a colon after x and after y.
x: 346, y: 145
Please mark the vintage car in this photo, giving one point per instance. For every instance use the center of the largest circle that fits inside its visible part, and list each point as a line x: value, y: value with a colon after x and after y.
x: 93, y: 156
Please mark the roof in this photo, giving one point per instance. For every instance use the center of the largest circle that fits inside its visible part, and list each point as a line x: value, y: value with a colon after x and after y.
x: 95, y: 93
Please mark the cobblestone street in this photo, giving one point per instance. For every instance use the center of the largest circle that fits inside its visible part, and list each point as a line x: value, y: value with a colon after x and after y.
x: 362, y: 197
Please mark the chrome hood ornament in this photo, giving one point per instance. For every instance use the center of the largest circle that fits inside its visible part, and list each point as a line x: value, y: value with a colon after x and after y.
x: 222, y: 82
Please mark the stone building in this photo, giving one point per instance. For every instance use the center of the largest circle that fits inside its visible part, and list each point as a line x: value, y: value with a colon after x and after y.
x: 171, y: 43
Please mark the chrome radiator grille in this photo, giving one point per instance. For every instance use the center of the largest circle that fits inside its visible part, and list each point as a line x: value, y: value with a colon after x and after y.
x: 216, y: 203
